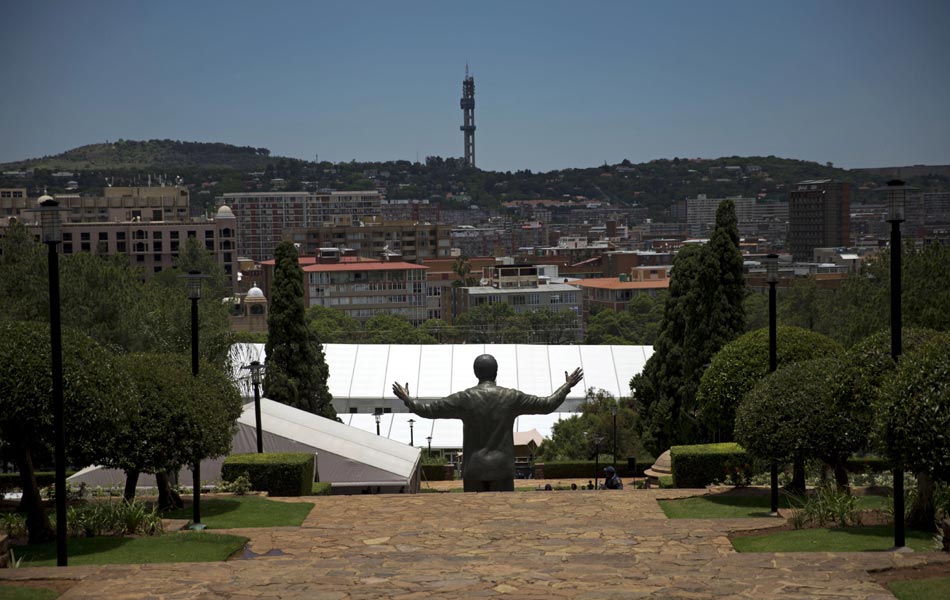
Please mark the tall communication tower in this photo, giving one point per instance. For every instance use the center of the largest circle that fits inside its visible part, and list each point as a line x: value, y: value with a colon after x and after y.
x: 468, y: 112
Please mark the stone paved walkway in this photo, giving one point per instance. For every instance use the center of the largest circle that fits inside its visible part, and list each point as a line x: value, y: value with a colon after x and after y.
x: 549, y: 545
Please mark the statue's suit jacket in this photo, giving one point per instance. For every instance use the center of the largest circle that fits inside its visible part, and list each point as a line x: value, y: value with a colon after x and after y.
x: 488, y: 415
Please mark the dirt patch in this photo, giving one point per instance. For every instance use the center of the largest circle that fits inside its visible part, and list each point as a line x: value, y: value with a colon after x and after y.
x: 925, y: 571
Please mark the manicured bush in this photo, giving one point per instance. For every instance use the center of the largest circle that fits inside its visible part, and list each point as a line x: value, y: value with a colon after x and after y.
x: 699, y: 465
x: 435, y: 473
x: 585, y: 468
x: 321, y: 489
x: 666, y: 481
x: 277, y: 473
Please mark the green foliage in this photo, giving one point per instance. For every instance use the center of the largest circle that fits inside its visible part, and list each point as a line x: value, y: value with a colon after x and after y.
x: 666, y: 482
x: 23, y: 592
x: 240, y: 486
x: 393, y: 329
x: 297, y: 370
x: 740, y: 364
x: 913, y: 410
x: 277, y: 473
x: 113, y: 518
x: 332, y: 325
x: 574, y: 438
x: 322, y: 489
x: 825, y: 505
x: 24, y: 290
x: 699, y: 465
x: 174, y: 418
x: 638, y: 325
x: 860, y: 306
x: 500, y: 324
x: 794, y: 413
x: 436, y: 472
x: 13, y: 524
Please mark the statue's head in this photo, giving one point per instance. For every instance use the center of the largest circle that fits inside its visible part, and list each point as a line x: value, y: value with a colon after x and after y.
x: 486, y: 367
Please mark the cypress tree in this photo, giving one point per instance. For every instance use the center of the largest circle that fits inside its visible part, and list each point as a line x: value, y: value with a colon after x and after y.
x: 296, y: 369
x: 703, y: 312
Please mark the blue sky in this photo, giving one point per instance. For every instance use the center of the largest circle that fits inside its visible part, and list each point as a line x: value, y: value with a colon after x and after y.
x: 557, y: 84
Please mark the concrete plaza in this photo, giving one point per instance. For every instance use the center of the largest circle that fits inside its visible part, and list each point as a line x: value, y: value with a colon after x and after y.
x: 560, y: 544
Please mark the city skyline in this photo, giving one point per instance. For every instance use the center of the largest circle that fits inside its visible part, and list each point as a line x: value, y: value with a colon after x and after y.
x: 559, y: 85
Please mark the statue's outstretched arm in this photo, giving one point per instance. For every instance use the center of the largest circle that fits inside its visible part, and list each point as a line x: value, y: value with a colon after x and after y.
x: 402, y: 392
x: 574, y: 378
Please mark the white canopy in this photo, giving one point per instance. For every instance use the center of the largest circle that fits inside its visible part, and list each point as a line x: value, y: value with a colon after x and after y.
x: 361, y: 375
x: 348, y: 457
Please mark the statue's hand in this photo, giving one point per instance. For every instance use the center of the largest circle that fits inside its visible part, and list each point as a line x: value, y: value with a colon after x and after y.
x: 575, y: 377
x: 401, y: 392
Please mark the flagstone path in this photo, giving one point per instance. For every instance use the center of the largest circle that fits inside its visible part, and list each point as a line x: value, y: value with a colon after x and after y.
x: 551, y: 545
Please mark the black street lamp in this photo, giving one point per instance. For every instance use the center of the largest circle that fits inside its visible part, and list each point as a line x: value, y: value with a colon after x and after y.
x: 194, y: 294
x: 613, y: 411
x: 429, y: 440
x: 896, y: 193
x: 411, y: 423
x: 52, y: 235
x: 771, y: 264
x: 378, y: 415
x: 255, y: 369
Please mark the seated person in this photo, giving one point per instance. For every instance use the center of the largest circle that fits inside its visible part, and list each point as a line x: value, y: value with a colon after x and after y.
x: 611, y: 480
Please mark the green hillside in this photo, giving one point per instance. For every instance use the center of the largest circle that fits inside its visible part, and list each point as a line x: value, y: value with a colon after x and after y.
x: 125, y: 155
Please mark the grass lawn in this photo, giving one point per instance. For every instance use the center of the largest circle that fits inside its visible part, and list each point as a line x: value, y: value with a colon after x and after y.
x: 735, y: 506
x: 921, y: 589
x: 171, y: 547
x: 23, y: 592
x: 246, y: 511
x: 843, y: 539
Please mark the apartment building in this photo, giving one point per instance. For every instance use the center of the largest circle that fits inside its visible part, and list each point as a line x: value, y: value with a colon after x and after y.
x: 819, y: 216
x: 371, y: 237
x: 264, y: 218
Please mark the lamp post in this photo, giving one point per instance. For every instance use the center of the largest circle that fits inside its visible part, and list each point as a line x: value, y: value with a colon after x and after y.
x: 194, y: 294
x: 429, y: 440
x: 255, y: 369
x: 896, y: 193
x: 378, y: 415
x: 52, y: 235
x: 411, y: 423
x: 771, y: 264
x: 613, y: 411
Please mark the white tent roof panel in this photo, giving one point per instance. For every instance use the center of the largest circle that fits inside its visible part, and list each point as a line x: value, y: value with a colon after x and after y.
x: 367, y: 371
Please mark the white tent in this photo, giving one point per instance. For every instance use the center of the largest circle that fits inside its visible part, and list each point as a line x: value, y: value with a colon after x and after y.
x: 361, y: 375
x: 351, y: 459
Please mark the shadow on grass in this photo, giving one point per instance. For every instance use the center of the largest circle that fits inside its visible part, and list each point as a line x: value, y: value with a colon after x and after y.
x: 47, y: 550
x: 211, y: 507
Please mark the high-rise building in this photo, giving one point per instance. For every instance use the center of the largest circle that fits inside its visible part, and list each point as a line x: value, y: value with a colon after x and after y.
x: 468, y: 117
x: 819, y: 216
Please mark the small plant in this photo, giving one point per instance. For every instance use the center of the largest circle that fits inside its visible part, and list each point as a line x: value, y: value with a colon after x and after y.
x: 14, y: 562
x: 825, y: 506
x: 133, y: 517
x: 240, y: 486
x: 13, y: 524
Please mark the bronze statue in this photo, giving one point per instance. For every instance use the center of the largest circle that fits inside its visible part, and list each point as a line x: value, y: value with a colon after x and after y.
x: 488, y: 415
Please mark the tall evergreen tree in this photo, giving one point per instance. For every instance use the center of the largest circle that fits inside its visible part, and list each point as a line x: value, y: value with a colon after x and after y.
x: 296, y: 369
x: 704, y: 311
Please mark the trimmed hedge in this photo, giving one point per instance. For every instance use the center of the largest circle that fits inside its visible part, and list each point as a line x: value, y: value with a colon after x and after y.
x: 11, y: 481
x: 699, y: 465
x: 585, y: 468
x: 321, y: 489
x: 435, y: 473
x: 277, y: 473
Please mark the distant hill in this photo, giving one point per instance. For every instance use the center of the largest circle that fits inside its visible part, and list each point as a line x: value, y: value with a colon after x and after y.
x: 156, y: 155
x: 211, y: 169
